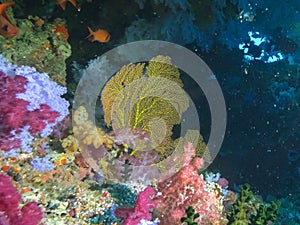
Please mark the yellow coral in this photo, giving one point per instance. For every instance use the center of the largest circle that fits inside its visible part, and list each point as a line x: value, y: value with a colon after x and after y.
x: 87, y: 133
x: 70, y: 144
x: 174, y: 159
x: 146, y: 99
x: 137, y: 100
x: 80, y: 116
x: 161, y: 66
x: 114, y: 87
x: 97, y: 137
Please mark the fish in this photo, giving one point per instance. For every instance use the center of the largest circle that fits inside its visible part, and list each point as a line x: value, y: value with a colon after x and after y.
x: 7, y: 29
x: 99, y: 35
x: 63, y: 3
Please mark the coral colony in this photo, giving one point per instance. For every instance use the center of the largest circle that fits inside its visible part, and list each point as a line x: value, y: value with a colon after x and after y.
x: 61, y: 185
x: 31, y: 105
x: 124, y: 168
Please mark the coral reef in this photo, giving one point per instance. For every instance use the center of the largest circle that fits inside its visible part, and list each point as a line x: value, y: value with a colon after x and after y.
x: 87, y: 133
x: 112, y: 153
x: 39, y: 45
x: 42, y: 164
x: 60, y: 192
x: 73, y: 179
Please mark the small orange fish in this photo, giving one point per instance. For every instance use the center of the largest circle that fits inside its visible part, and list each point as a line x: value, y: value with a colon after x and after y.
x: 63, y: 3
x: 99, y: 35
x: 7, y: 29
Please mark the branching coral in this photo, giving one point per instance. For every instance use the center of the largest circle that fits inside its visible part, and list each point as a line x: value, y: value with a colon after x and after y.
x: 182, y: 154
x: 90, y: 140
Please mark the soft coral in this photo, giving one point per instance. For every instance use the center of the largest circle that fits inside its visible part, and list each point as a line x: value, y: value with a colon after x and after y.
x: 10, y: 213
x: 141, y: 208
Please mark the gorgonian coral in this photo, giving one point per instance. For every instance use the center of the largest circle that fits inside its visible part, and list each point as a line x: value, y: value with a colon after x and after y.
x: 149, y: 98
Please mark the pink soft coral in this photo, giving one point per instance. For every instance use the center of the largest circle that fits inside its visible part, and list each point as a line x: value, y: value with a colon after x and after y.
x: 141, y: 210
x: 10, y: 213
x: 14, y: 115
x: 186, y: 188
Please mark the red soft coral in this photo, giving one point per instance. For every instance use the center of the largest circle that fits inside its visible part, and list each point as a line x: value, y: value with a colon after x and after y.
x: 10, y: 213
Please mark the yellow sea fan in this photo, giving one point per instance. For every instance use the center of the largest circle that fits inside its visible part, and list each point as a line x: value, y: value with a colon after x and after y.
x: 114, y: 86
x: 172, y: 162
x: 157, y: 131
x: 148, y: 100
x: 161, y: 66
x: 157, y: 108
x: 166, y: 147
x: 145, y: 99
x: 136, y: 100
